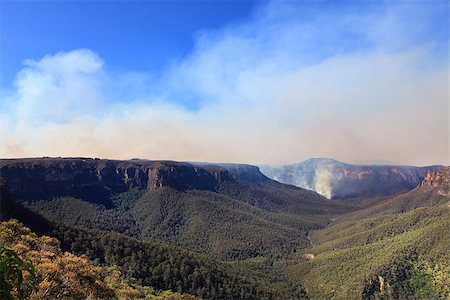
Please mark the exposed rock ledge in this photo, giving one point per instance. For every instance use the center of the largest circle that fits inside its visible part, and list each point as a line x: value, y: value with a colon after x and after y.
x: 439, y: 180
x: 97, y: 179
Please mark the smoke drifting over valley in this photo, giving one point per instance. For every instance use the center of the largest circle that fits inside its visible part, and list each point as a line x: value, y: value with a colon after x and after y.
x: 316, y: 175
x: 334, y: 179
x: 258, y: 91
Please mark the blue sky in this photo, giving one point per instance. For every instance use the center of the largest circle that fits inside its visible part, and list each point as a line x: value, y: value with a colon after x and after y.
x: 231, y: 81
x: 140, y: 35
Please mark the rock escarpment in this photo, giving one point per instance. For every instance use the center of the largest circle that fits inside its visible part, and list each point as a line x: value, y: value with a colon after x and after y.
x: 439, y: 180
x: 96, y: 180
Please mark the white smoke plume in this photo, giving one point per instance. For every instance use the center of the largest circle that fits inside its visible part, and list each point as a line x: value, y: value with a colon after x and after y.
x: 323, y: 183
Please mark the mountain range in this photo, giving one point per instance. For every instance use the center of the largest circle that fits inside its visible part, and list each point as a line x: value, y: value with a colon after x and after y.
x: 226, y: 231
x: 335, y: 179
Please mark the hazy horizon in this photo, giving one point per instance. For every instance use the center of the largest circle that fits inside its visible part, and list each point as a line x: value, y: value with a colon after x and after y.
x: 267, y: 83
x: 356, y: 163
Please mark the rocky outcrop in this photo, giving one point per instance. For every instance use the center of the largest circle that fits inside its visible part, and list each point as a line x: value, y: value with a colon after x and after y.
x: 246, y: 173
x: 335, y: 179
x: 234, y: 172
x: 438, y: 180
x: 373, y: 286
x: 96, y: 180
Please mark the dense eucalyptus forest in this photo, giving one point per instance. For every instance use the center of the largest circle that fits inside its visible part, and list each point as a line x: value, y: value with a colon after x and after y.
x: 214, y: 232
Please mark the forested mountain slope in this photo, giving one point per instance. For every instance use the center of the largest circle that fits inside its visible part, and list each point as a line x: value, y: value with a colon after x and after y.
x: 394, y: 249
x: 228, y: 232
x: 150, y: 263
x: 228, y: 211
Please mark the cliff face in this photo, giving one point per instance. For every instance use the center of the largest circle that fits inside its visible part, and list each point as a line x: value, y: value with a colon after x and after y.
x: 96, y: 180
x: 439, y: 180
x: 335, y: 179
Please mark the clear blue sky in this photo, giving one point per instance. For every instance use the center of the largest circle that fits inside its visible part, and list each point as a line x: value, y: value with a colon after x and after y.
x: 138, y: 35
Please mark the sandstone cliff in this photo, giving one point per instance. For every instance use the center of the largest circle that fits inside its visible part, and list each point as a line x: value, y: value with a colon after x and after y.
x: 96, y: 180
x: 439, y: 180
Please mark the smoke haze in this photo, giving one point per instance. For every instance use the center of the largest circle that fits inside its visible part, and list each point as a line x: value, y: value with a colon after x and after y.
x: 277, y: 88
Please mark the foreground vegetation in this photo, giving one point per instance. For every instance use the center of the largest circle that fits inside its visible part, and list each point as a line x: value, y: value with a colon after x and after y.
x: 50, y: 273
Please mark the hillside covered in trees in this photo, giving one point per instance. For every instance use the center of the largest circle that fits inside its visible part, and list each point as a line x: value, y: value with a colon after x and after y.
x: 228, y: 211
x: 155, y: 264
x: 240, y: 235
x: 63, y: 275
x: 397, y: 248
